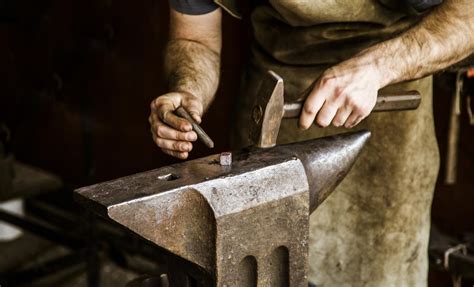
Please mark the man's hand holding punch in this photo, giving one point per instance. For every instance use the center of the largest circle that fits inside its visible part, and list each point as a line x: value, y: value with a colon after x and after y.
x: 171, y: 133
x: 192, y: 63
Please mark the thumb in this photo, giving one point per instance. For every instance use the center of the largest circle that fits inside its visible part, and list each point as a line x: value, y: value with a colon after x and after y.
x: 195, y: 109
x: 196, y: 117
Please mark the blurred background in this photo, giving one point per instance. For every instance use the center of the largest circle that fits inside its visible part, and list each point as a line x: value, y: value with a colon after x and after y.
x: 76, y: 80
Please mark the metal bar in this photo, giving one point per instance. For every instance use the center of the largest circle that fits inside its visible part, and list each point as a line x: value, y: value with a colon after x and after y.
x: 451, y: 166
x: 41, y: 230
x: 52, y: 214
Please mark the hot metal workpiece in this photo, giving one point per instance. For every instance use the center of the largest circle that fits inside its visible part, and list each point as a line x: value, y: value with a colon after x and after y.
x: 230, y: 219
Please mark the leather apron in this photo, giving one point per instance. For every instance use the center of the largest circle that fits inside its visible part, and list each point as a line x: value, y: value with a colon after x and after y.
x: 374, y: 229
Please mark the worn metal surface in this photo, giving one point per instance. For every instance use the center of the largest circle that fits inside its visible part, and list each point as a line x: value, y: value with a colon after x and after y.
x: 450, y: 174
x: 230, y: 219
x: 225, y: 158
x: 268, y: 111
x: 269, y: 108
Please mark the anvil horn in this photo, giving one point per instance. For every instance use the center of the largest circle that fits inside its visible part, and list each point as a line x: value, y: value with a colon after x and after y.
x: 327, y: 161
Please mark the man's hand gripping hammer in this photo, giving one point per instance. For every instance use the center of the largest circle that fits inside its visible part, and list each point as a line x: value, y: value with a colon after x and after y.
x: 270, y: 108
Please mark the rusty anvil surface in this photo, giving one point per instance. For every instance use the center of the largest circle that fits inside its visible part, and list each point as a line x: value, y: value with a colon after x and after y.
x: 230, y: 219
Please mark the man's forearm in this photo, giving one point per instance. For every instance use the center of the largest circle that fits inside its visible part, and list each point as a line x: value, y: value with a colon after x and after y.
x: 192, y: 67
x: 444, y: 37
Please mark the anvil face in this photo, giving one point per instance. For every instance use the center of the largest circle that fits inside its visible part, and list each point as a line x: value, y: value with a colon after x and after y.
x: 231, y: 219
x: 177, y: 207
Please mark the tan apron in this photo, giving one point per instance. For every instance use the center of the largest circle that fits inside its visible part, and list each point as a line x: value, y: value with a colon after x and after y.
x: 373, y: 231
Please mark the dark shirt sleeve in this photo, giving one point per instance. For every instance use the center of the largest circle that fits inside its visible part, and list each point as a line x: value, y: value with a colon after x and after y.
x: 193, y: 7
x: 423, y: 5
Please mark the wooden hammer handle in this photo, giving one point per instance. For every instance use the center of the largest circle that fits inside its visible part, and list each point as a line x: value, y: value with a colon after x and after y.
x: 409, y: 100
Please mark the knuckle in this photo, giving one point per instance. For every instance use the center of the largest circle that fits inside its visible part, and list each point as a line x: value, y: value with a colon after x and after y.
x: 322, y: 122
x: 158, y: 102
x: 178, y: 136
x: 163, y: 115
x: 160, y: 131
x: 159, y: 142
x: 339, y: 92
x: 357, y: 108
x: 351, y: 101
x: 325, y: 79
x: 183, y: 125
x: 161, y: 104
x: 329, y: 81
x: 338, y: 96
x: 176, y: 146
x: 310, y: 109
x: 175, y: 154
x: 181, y: 136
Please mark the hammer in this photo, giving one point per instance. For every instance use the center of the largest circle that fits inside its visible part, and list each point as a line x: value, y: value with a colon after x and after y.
x: 270, y: 108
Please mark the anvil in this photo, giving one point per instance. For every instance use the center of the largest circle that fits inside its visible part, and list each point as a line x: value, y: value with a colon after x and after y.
x: 246, y: 224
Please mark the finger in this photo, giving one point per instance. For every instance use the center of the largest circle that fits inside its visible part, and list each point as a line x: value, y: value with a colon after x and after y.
x: 176, y: 122
x: 353, y: 120
x: 173, y: 145
x: 163, y: 131
x: 165, y: 108
x: 357, y: 121
x: 196, y: 118
x: 326, y: 114
x: 311, y: 107
x: 195, y: 109
x: 153, y: 119
x: 154, y: 122
x: 177, y: 154
x: 341, y: 117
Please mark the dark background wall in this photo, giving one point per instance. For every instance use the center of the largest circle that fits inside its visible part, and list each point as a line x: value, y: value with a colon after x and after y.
x: 78, y: 76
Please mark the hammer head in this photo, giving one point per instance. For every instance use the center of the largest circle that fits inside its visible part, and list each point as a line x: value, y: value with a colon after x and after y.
x: 267, y: 111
